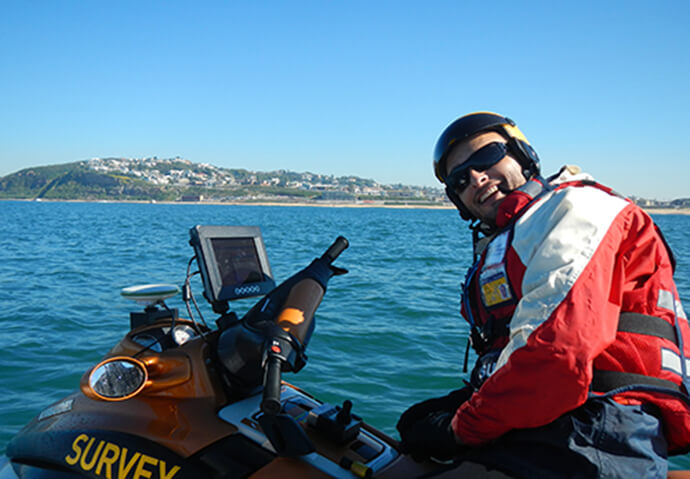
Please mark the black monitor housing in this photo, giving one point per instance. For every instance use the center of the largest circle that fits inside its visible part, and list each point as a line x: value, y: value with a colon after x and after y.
x: 233, y: 263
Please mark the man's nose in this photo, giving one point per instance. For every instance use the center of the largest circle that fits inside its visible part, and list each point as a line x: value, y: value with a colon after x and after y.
x: 477, y: 177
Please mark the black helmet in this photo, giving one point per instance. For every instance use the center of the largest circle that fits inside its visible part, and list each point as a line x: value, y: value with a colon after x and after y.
x: 473, y: 124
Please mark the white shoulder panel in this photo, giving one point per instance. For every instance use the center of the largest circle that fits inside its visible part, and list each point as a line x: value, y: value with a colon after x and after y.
x: 555, y: 240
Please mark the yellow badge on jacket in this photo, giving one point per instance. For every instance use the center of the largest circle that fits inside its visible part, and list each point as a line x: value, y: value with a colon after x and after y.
x: 495, y: 288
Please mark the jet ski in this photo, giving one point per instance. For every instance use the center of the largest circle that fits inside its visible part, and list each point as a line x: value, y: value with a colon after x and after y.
x: 177, y: 398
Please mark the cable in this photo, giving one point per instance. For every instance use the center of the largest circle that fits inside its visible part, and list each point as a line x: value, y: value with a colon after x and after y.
x: 187, y: 289
x: 198, y: 310
x: 187, y: 295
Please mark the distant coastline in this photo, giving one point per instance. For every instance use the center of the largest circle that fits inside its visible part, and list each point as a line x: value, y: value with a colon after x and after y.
x: 320, y: 204
x: 667, y: 211
x: 317, y: 204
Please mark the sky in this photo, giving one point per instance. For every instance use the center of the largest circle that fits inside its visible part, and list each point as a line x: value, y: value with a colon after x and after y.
x: 348, y: 87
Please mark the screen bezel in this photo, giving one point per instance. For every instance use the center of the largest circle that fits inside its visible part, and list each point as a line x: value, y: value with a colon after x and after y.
x: 216, y: 293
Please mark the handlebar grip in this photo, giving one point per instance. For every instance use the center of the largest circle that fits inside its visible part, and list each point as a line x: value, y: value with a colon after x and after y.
x: 270, y: 403
x: 338, y: 246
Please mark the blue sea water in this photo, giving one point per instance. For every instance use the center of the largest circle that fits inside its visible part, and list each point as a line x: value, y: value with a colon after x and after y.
x: 388, y: 334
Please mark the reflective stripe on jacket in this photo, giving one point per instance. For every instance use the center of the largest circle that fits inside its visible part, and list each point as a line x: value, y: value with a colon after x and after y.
x: 556, y: 284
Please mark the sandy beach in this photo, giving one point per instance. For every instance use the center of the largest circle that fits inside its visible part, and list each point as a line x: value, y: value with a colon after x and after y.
x: 651, y: 211
x: 667, y: 211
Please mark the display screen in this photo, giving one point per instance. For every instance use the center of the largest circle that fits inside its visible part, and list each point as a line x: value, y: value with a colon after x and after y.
x: 232, y: 262
x: 237, y: 260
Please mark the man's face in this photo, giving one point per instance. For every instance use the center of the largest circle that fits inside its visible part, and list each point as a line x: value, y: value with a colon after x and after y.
x: 485, y: 189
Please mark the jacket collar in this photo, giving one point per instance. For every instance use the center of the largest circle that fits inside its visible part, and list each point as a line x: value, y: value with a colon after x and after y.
x: 517, y: 200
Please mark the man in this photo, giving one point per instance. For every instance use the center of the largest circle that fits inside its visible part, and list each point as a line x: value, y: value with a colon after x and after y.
x: 581, y: 339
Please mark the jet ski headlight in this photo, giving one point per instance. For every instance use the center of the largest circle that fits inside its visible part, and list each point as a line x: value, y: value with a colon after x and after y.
x: 118, y: 378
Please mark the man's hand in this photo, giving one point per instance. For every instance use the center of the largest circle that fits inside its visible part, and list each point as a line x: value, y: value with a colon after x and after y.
x: 449, y: 403
x: 432, y: 436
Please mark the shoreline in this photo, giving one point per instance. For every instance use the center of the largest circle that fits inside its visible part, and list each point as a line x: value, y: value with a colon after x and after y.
x: 667, y: 211
x: 402, y: 205
x: 324, y: 204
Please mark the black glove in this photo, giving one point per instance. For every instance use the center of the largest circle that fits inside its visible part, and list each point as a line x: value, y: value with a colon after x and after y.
x: 431, y: 437
x: 449, y: 403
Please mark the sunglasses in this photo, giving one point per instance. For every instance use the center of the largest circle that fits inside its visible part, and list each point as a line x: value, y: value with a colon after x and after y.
x: 481, y: 160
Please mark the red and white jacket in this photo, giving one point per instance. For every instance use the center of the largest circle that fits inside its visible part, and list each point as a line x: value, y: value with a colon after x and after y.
x: 574, y: 297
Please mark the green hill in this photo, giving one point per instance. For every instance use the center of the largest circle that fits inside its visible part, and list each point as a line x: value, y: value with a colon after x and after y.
x: 72, y: 181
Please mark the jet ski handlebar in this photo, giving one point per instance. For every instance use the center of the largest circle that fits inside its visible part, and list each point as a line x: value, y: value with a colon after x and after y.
x: 334, y: 250
x: 294, y: 323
